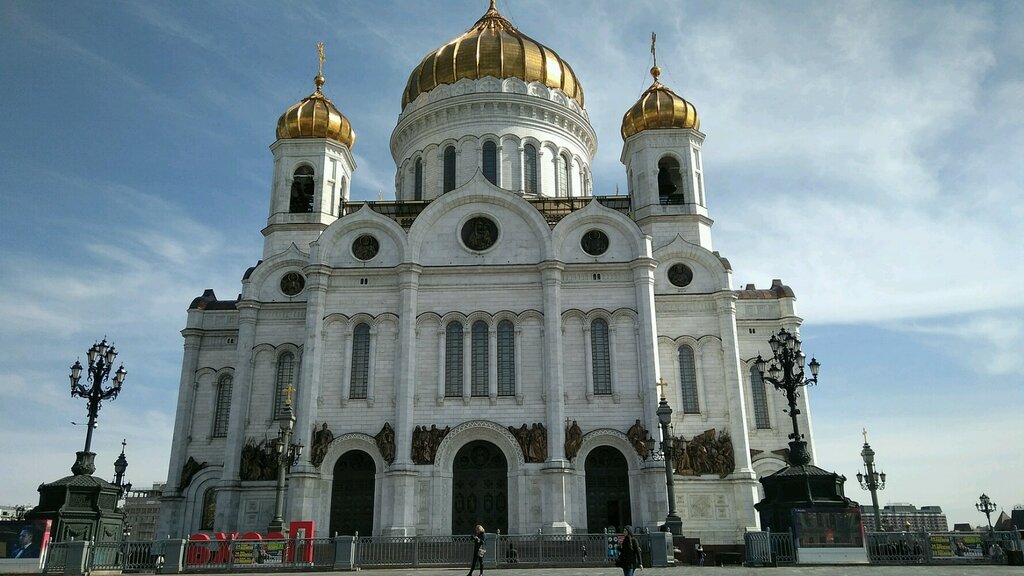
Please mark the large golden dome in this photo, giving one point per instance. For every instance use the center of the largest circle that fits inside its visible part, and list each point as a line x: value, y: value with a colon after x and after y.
x: 316, y: 117
x: 492, y: 47
x: 659, y: 107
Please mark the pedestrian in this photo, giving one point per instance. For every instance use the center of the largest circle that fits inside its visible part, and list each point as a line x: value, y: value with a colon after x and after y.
x: 583, y: 548
x: 478, y: 550
x: 629, y: 553
x: 700, y: 554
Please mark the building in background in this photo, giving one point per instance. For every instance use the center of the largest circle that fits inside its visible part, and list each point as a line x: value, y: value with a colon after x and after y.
x: 486, y: 348
x: 142, y: 513
x: 897, y: 515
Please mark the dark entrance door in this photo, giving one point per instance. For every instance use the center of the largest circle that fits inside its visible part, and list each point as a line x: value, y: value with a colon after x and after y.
x: 607, y: 490
x: 352, y: 494
x: 479, y: 488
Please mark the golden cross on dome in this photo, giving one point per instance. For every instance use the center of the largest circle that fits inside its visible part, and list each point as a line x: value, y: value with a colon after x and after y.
x: 320, y: 51
x: 661, y: 386
x: 654, y: 47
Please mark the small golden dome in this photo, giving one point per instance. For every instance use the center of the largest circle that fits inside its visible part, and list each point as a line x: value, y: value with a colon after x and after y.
x: 492, y: 47
x: 316, y: 117
x: 659, y: 107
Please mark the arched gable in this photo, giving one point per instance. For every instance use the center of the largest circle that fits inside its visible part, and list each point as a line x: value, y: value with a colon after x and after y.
x: 346, y: 443
x: 626, y: 242
x: 606, y: 437
x: 479, y: 430
x: 709, y: 272
x: 334, y: 247
x: 264, y: 283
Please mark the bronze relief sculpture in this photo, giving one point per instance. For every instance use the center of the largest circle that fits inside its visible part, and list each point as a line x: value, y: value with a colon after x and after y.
x: 425, y: 443
x: 386, y: 442
x: 573, y: 440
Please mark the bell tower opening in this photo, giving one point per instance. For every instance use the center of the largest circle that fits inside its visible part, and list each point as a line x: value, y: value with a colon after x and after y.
x: 302, y: 191
x: 670, y: 181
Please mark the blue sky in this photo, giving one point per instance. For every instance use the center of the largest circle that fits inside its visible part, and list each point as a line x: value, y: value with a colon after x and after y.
x: 869, y: 154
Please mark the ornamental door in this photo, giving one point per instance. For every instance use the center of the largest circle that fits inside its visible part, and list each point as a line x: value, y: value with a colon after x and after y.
x: 352, y: 494
x: 607, y: 490
x: 479, y: 488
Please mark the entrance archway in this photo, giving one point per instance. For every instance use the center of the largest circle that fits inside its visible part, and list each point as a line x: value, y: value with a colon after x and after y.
x: 607, y: 490
x: 352, y: 494
x: 479, y: 488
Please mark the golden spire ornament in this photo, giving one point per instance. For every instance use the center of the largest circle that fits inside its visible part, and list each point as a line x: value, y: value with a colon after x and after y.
x: 319, y: 80
x: 655, y: 71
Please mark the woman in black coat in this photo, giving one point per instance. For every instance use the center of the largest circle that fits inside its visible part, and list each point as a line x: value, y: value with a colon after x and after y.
x: 629, y: 553
x: 478, y: 550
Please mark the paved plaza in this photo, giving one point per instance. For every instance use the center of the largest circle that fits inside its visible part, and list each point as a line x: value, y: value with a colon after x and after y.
x: 865, y: 570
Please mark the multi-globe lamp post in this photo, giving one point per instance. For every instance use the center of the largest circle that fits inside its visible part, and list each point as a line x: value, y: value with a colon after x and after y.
x: 871, y: 480
x: 785, y: 371
x: 101, y: 358
x: 986, y: 506
x: 673, y: 523
x: 288, y: 455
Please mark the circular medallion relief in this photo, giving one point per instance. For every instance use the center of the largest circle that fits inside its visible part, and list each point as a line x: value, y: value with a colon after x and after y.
x: 594, y: 242
x: 365, y: 247
x: 292, y: 283
x: 680, y: 275
x: 479, y: 233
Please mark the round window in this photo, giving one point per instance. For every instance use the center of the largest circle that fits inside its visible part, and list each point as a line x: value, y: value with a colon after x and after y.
x: 594, y: 242
x: 365, y: 247
x: 680, y: 275
x: 292, y: 283
x: 479, y: 233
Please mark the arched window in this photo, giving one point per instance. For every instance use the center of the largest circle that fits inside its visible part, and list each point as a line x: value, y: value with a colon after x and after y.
x: 449, y: 169
x: 670, y: 181
x: 759, y: 398
x: 600, y: 356
x: 530, y: 169
x: 478, y: 378
x: 417, y: 191
x: 209, y: 509
x: 563, y: 175
x: 222, y: 410
x: 688, y: 380
x: 453, y: 359
x: 587, y: 191
x: 285, y: 384
x: 506, y: 359
x: 302, y: 190
x: 360, y: 361
x: 490, y: 162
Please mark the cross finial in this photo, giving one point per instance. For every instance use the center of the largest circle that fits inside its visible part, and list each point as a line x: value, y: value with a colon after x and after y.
x: 124, y: 442
x: 865, y: 432
x: 320, y: 51
x: 661, y: 386
x: 288, y: 394
x: 654, y: 47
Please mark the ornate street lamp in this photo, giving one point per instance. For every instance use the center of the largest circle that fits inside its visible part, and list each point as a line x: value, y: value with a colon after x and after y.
x: 288, y: 455
x: 986, y: 506
x: 785, y: 371
x: 120, y: 466
x: 673, y: 522
x: 871, y: 481
x: 101, y: 359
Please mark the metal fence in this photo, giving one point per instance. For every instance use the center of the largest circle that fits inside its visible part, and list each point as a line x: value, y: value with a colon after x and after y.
x: 413, y: 551
x: 56, y: 557
x: 564, y: 550
x: 769, y: 548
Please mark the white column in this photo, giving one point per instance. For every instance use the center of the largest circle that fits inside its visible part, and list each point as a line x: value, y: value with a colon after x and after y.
x: 522, y: 168
x: 442, y: 341
x: 612, y: 356
x: 173, y: 501
x: 557, y: 473
x: 650, y: 369
x: 518, y: 363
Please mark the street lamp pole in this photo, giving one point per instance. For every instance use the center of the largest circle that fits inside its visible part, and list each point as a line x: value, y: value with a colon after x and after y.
x: 673, y: 522
x: 871, y: 481
x: 287, y: 456
x: 986, y: 506
x: 120, y: 467
x: 785, y: 371
x: 101, y: 359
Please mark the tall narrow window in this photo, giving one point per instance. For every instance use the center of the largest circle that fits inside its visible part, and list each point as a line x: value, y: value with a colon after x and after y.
x: 360, y: 361
x: 478, y: 378
x: 670, y: 181
x: 285, y: 384
x: 453, y: 359
x: 302, y: 190
x: 417, y: 192
x: 490, y: 162
x: 688, y: 380
x: 222, y: 410
x: 449, y: 169
x: 506, y: 359
x: 600, y: 356
x: 209, y: 509
x: 530, y: 169
x: 563, y: 175
x: 759, y: 399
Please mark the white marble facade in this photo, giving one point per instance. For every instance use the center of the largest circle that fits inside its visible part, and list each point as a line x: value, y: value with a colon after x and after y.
x: 371, y: 343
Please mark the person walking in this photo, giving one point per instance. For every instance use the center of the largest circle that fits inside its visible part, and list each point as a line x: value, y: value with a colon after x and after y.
x: 629, y: 553
x: 700, y: 554
x: 478, y: 550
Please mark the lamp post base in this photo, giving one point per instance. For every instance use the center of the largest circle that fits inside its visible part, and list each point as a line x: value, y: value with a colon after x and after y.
x: 276, y: 525
x: 674, y: 524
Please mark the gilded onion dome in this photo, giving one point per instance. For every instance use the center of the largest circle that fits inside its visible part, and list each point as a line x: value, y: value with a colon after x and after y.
x: 659, y: 107
x: 316, y: 117
x: 492, y: 47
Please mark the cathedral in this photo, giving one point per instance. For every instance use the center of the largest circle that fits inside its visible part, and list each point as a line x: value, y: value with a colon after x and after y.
x: 491, y: 346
